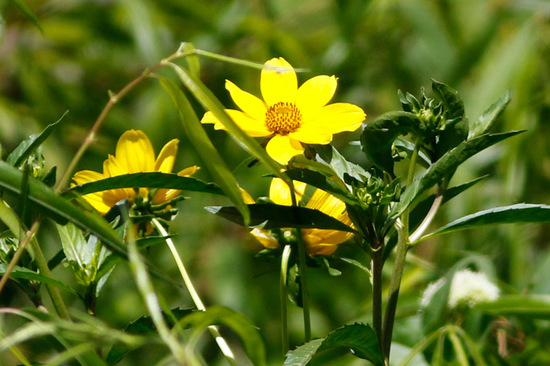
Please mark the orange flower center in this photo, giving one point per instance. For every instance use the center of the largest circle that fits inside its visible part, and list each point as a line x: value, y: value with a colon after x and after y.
x: 283, y: 118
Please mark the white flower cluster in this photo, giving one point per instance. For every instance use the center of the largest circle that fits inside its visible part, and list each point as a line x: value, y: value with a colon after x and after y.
x: 469, y: 288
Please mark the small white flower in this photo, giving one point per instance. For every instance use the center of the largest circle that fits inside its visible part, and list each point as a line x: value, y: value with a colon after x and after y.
x: 469, y: 288
x: 430, y: 291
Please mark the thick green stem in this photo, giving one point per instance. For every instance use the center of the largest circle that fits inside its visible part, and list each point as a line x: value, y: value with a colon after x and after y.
x: 377, y: 263
x: 283, y: 298
x: 222, y: 344
x: 395, y: 283
x: 303, y: 271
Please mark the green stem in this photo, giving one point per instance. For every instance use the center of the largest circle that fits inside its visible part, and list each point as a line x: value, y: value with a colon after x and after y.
x: 400, y: 256
x: 303, y: 270
x: 283, y: 298
x: 151, y: 300
x: 377, y: 263
x: 222, y: 344
x: 11, y: 220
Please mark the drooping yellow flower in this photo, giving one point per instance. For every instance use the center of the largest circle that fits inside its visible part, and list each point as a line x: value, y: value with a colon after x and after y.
x: 317, y: 241
x: 134, y: 154
x: 290, y: 115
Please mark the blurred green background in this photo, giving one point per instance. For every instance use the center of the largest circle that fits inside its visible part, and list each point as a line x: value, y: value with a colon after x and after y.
x: 480, y: 48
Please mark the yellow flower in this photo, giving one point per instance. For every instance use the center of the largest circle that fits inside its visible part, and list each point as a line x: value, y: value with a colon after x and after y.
x: 134, y: 154
x: 317, y: 241
x: 290, y: 115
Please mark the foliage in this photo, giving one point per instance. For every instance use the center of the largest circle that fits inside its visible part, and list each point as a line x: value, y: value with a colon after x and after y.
x: 427, y: 182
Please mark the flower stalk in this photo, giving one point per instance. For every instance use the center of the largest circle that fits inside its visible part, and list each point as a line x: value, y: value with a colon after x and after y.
x: 402, y: 226
x: 283, y: 298
x: 221, y: 342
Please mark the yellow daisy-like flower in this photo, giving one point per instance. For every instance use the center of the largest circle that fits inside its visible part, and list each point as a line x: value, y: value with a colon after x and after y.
x: 290, y: 115
x: 317, y: 241
x: 134, y: 154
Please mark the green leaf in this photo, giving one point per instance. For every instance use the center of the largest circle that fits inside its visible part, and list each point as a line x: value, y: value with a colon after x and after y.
x: 487, y: 119
x: 448, y: 163
x: 28, y: 146
x: 519, y: 213
x: 199, y: 321
x: 359, y: 338
x: 323, y: 182
x: 332, y: 157
x: 142, y: 326
x: 204, y: 147
x: 26, y: 274
x: 378, y: 136
x: 270, y: 216
x: 77, y: 253
x: 456, y: 132
x: 452, y: 103
x: 147, y: 180
x: 44, y: 197
x: 530, y: 306
x: 28, y: 13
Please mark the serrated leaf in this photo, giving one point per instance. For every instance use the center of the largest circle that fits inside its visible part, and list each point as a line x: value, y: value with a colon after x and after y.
x: 27, y: 274
x: 378, y: 136
x: 271, y: 216
x: 147, y: 180
x: 446, y: 164
x: 28, y: 146
x: 531, y: 306
x: 359, y: 338
x: 519, y: 213
x: 454, y: 133
x: 487, y: 119
x: 332, y: 157
x: 204, y: 147
x: 454, y: 106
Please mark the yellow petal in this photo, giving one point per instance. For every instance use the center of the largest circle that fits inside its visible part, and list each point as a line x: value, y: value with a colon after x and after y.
x: 135, y: 152
x: 168, y: 194
x: 96, y: 201
x: 252, y: 127
x: 283, y: 148
x: 248, y: 103
x: 264, y: 238
x: 339, y: 117
x: 280, y: 194
x: 189, y: 171
x: 113, y: 168
x: 85, y: 176
x: 167, y: 156
x: 315, y: 93
x: 209, y: 118
x: 326, y: 203
x: 278, y: 82
x: 312, y: 133
x: 247, y: 198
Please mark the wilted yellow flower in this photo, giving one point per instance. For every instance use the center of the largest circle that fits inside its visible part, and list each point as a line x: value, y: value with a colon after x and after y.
x: 317, y: 241
x: 134, y: 154
x: 290, y: 115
